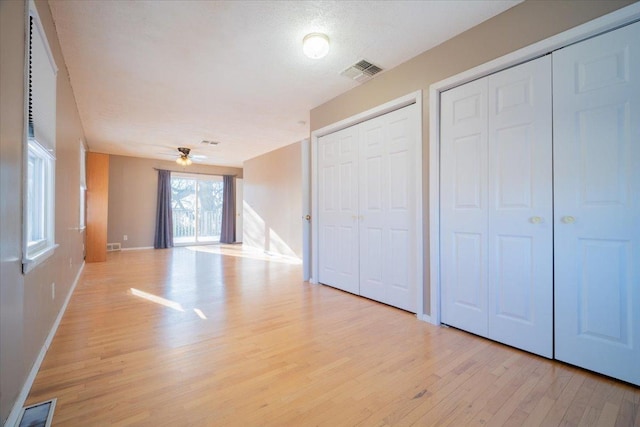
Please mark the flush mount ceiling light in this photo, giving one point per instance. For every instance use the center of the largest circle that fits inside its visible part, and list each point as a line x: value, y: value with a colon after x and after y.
x: 315, y: 45
x: 184, y: 159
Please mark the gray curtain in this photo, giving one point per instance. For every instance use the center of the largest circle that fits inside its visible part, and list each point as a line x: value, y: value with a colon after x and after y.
x: 164, y: 221
x: 228, y: 232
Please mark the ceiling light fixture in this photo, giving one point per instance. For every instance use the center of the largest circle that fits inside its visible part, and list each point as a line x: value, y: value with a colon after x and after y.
x: 315, y: 45
x: 184, y: 159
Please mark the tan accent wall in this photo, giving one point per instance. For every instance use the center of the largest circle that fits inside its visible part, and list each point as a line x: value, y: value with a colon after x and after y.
x: 97, y: 206
x: 520, y: 26
x: 272, y: 205
x: 133, y: 192
x: 27, y: 308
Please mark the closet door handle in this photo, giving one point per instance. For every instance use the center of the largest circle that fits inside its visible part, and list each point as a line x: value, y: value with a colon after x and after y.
x: 568, y: 219
x: 536, y: 220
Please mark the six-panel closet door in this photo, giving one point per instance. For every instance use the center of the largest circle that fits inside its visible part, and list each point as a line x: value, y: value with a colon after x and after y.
x: 387, y: 211
x: 339, y: 262
x: 596, y: 97
x: 496, y: 207
x: 367, y: 214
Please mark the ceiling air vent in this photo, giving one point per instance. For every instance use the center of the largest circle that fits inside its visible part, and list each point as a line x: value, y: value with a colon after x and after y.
x: 204, y: 141
x: 361, y: 71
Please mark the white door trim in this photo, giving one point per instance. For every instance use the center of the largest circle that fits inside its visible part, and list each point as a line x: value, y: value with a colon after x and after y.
x: 599, y: 25
x: 412, y: 98
x: 306, y: 209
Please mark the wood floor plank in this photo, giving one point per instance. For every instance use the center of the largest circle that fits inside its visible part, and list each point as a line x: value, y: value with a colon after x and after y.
x: 608, y: 415
x: 579, y: 404
x: 204, y: 337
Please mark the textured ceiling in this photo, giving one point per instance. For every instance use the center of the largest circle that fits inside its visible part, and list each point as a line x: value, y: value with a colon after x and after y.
x: 150, y: 76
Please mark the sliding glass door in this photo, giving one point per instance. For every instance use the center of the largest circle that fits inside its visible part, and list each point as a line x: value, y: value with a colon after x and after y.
x: 196, y: 201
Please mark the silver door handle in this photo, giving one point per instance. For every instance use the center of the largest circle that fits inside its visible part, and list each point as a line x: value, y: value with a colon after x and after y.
x: 536, y: 220
x: 568, y: 219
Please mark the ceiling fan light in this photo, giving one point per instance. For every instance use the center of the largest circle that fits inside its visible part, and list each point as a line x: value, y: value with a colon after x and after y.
x: 315, y: 45
x: 183, y: 161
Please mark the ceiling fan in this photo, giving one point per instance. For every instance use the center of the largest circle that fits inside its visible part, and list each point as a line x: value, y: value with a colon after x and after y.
x: 184, y: 159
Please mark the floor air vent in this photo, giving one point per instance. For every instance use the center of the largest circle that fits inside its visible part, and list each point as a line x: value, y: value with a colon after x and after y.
x: 40, y: 414
x: 113, y: 247
x: 361, y: 71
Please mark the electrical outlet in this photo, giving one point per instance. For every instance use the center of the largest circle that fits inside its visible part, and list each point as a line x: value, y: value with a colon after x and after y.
x: 70, y: 262
x: 125, y: 237
x: 53, y: 290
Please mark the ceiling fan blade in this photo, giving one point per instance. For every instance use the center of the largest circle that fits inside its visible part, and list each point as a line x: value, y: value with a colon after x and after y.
x: 168, y: 154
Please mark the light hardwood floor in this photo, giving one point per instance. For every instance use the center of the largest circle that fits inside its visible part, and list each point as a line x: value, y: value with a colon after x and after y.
x: 218, y: 337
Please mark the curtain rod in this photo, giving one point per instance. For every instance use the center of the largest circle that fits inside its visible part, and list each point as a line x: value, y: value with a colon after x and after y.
x: 197, y: 173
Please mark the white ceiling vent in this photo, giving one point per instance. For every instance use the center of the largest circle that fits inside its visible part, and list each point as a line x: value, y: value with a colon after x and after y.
x: 361, y: 71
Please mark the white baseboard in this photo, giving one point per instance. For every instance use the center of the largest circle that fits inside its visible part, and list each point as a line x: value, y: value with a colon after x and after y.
x: 137, y: 249
x: 14, y: 415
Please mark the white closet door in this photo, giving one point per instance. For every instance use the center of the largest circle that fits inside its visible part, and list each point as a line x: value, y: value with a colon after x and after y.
x: 387, y: 208
x: 496, y: 207
x: 463, y: 207
x: 596, y: 95
x: 520, y: 235
x: 338, y: 210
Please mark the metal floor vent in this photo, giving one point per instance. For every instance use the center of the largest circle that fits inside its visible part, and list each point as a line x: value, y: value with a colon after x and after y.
x: 361, y: 71
x: 39, y: 415
x: 113, y: 247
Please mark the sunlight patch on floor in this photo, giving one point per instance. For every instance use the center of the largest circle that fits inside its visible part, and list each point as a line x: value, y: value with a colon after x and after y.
x: 243, y: 252
x: 165, y: 302
x: 200, y: 313
x: 158, y: 300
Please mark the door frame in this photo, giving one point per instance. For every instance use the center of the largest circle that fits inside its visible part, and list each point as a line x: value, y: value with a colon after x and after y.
x: 396, y: 104
x: 305, y: 148
x: 618, y: 18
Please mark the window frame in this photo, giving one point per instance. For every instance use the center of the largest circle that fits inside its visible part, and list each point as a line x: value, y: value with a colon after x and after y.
x: 82, y: 219
x: 197, y: 178
x: 45, y: 198
x: 35, y: 251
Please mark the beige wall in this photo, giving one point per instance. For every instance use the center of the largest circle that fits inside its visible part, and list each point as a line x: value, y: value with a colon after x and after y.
x: 520, y: 26
x: 133, y: 188
x: 27, y: 308
x: 272, y: 206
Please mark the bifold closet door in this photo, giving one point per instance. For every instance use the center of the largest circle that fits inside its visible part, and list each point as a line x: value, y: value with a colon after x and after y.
x: 496, y: 207
x: 596, y: 96
x: 387, y: 211
x: 367, y: 208
x: 463, y: 207
x: 520, y: 205
x: 338, y: 210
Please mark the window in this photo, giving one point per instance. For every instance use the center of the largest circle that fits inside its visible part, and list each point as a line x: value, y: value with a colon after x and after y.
x: 196, y: 205
x: 83, y: 185
x: 40, y: 147
x: 39, y: 192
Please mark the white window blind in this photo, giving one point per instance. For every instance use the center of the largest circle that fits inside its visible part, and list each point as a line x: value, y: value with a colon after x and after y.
x: 42, y: 89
